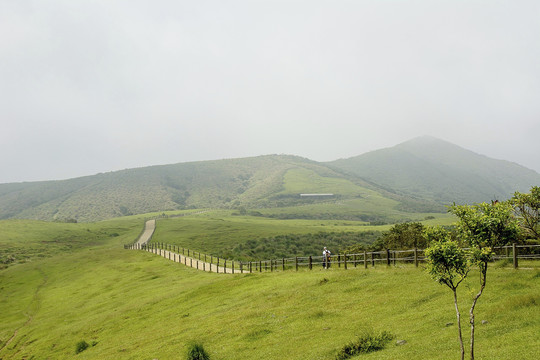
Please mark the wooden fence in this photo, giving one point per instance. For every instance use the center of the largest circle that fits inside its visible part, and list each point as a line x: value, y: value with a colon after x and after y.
x: 366, y: 259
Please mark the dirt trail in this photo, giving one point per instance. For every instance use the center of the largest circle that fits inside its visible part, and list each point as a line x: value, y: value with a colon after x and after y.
x: 145, y: 237
x: 149, y: 228
x: 193, y: 262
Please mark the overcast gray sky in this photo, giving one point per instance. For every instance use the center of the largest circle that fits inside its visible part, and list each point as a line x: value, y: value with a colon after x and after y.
x: 96, y: 86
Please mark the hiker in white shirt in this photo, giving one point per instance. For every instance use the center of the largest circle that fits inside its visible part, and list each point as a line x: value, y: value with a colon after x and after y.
x: 326, y: 258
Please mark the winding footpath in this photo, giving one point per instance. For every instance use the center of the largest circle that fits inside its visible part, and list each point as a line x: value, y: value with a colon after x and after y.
x: 142, y: 241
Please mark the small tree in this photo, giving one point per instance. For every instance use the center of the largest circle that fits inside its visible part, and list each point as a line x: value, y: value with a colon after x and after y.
x: 527, y: 207
x: 403, y: 236
x: 447, y: 263
x: 484, y: 226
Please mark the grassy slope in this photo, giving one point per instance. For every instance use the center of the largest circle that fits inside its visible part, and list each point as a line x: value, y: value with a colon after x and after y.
x: 434, y: 169
x: 26, y: 240
x: 258, y: 182
x: 217, y: 232
x: 135, y: 305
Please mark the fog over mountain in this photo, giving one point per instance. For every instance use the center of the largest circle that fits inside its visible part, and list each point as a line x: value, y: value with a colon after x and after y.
x: 97, y: 86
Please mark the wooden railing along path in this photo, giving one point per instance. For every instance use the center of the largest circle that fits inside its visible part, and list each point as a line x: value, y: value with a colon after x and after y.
x: 215, y: 264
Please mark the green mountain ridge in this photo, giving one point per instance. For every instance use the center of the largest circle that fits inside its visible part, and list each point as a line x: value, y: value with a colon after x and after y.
x: 437, y: 170
x: 415, y: 176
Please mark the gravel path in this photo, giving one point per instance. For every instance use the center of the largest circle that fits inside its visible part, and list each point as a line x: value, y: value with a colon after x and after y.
x: 145, y: 237
x: 149, y: 228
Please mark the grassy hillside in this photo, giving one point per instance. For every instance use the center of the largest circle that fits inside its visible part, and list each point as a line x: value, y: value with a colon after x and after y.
x: 134, y: 305
x: 224, y: 183
x: 24, y: 241
x: 437, y: 170
x: 259, y: 182
x: 418, y: 176
x: 237, y: 237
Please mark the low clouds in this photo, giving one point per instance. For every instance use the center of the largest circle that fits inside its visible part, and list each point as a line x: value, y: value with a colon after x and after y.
x: 97, y: 86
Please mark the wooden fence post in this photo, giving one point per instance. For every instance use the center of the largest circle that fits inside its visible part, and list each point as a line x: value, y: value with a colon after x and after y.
x: 345, y: 260
x: 296, y: 262
x: 310, y: 263
x: 372, y: 259
x: 365, y: 259
x: 283, y: 264
x: 416, y: 257
x: 515, y: 255
x: 388, y: 257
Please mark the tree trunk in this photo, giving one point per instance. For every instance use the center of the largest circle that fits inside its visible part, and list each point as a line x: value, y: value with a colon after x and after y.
x: 475, y: 299
x: 459, y: 325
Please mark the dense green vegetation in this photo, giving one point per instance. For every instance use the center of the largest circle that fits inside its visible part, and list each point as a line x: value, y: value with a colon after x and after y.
x: 283, y: 246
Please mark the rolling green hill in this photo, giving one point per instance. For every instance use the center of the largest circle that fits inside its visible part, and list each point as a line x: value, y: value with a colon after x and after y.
x: 224, y: 183
x: 434, y: 169
x: 418, y: 176
x: 265, y: 182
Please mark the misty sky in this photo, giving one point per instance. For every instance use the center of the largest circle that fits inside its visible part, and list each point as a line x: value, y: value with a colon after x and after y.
x: 97, y: 86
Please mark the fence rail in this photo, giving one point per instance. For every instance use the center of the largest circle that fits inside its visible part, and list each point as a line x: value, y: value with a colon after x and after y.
x: 388, y: 257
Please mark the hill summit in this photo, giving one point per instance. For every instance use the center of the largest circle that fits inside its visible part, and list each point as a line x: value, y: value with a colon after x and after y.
x: 433, y: 169
x: 418, y: 175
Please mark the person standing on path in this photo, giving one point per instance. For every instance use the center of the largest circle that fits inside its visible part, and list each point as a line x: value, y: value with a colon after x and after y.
x: 326, y: 258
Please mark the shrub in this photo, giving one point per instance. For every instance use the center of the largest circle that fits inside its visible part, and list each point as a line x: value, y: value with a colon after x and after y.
x: 81, y: 346
x: 364, y: 344
x: 196, y: 352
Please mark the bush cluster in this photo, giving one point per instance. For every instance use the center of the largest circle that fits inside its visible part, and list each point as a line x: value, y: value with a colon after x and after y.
x: 364, y: 344
x: 196, y: 352
x: 300, y: 244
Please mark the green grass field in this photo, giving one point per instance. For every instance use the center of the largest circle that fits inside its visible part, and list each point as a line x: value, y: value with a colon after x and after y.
x: 135, y: 305
x: 219, y: 232
x: 27, y: 240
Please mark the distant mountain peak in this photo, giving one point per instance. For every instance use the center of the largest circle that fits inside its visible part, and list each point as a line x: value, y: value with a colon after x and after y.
x: 428, y: 140
x: 438, y: 170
